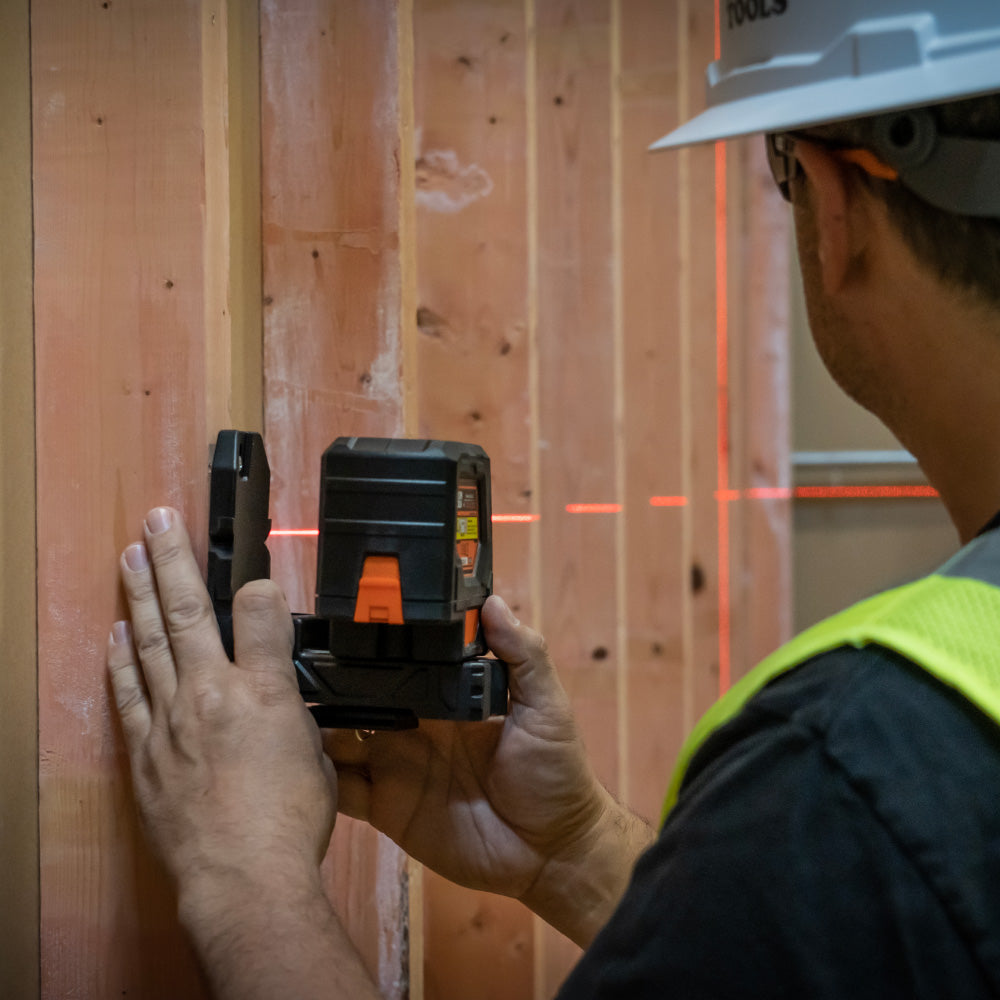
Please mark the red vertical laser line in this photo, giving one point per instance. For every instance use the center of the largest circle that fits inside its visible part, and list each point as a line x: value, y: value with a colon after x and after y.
x: 722, y: 392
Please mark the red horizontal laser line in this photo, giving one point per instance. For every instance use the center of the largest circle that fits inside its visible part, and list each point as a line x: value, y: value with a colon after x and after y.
x: 863, y: 492
x: 757, y: 493
x: 768, y: 493
x: 668, y: 501
x: 314, y: 532
x: 828, y: 493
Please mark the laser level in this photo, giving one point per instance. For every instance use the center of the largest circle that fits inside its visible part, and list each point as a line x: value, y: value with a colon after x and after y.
x: 404, y: 564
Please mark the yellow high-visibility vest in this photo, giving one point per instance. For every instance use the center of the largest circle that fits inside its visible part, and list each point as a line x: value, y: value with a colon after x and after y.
x: 948, y: 623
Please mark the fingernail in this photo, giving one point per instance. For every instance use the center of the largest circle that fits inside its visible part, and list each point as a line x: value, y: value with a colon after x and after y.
x: 158, y: 520
x: 136, y: 557
x: 120, y: 633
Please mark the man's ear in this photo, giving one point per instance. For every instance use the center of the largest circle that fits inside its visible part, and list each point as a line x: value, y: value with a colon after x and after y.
x: 828, y: 200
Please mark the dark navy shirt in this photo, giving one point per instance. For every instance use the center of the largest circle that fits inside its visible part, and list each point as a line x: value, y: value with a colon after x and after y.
x: 840, y: 838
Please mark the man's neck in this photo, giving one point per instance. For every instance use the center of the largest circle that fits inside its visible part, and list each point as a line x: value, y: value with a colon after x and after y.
x: 949, y: 357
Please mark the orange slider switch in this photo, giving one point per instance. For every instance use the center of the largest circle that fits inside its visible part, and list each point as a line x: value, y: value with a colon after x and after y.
x: 380, y: 595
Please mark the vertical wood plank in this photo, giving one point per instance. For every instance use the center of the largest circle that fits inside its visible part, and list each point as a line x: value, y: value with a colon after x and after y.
x: 332, y: 341
x: 576, y: 351
x: 122, y: 282
x: 705, y: 461
x: 737, y: 447
x: 576, y: 357
x: 246, y: 400
x: 473, y: 364
x: 331, y: 255
x: 760, y: 393
x: 19, y: 955
x: 654, y: 401
x: 230, y: 58
x: 214, y: 109
x: 413, y: 939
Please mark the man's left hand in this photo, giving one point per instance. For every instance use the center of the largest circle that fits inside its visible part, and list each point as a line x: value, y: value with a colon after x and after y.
x: 227, y: 765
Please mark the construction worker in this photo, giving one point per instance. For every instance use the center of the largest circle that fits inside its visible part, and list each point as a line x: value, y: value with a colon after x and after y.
x: 832, y: 829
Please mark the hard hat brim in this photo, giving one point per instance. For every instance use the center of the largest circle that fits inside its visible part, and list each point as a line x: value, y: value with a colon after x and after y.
x: 839, y: 99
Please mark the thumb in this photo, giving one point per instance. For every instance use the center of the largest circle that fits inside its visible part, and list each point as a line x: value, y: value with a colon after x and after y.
x: 262, y: 627
x: 531, y: 674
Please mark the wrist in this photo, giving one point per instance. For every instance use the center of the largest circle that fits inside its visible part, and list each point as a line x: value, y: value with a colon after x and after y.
x: 269, y: 932
x: 581, y: 885
x: 224, y: 898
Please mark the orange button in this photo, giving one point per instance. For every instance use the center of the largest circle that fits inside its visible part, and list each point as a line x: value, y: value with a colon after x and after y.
x: 380, y: 595
x: 471, y: 625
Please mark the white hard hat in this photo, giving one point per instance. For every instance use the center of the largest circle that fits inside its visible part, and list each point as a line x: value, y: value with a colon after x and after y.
x: 789, y: 64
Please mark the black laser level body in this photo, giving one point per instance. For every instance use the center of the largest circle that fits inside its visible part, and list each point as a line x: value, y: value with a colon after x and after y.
x: 404, y: 564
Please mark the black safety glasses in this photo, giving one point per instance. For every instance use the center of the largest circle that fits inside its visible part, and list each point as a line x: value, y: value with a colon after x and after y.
x: 785, y: 166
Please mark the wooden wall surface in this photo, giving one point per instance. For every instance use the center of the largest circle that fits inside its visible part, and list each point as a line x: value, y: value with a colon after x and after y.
x: 423, y: 217
x: 134, y: 356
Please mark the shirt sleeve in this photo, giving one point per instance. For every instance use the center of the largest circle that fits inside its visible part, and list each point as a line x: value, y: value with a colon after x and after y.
x: 789, y: 869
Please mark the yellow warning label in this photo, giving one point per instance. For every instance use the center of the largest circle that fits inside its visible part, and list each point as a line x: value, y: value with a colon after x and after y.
x: 468, y: 529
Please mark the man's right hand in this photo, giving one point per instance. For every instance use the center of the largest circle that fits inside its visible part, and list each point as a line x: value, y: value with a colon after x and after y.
x: 509, y: 806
